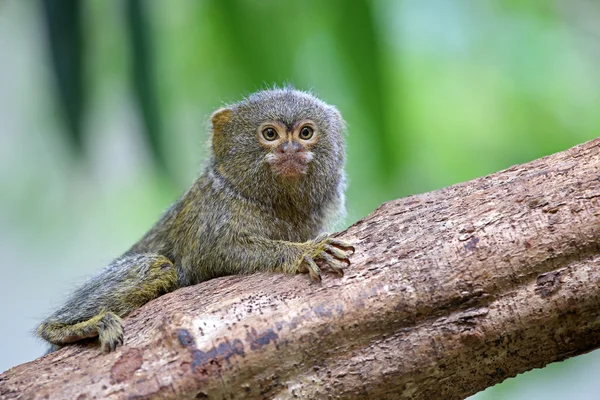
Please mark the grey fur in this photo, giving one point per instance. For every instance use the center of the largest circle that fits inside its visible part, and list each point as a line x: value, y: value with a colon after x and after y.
x: 238, y: 217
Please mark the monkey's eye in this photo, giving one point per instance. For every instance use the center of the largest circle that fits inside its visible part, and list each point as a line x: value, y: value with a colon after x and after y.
x: 270, y: 134
x: 306, y: 133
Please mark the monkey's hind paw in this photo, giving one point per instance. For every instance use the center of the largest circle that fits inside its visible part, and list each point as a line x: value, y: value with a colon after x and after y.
x: 110, y: 330
x: 331, y: 253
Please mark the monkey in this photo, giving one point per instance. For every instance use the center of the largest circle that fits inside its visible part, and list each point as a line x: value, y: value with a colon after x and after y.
x: 273, y: 182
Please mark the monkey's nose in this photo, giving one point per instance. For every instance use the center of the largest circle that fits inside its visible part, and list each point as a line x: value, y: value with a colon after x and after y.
x: 290, y: 148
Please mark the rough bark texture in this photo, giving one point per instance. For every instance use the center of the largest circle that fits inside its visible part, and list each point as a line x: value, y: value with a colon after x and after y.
x: 449, y: 292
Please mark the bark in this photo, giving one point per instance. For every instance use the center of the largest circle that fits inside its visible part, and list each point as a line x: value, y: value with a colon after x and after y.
x: 449, y: 292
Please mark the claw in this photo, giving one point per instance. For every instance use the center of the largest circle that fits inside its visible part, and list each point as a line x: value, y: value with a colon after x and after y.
x: 110, y: 332
x: 313, y: 269
x: 337, y: 253
x: 341, y: 244
x: 332, y: 263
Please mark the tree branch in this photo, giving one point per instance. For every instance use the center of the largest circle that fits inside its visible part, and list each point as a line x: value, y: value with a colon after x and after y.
x: 449, y: 292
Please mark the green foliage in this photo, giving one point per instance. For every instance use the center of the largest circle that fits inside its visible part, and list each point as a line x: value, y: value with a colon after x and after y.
x: 434, y: 93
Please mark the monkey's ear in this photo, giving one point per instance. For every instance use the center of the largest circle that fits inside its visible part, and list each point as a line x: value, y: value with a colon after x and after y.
x: 339, y: 118
x: 220, y: 118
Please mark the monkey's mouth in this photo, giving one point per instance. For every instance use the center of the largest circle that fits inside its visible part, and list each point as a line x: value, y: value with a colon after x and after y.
x: 289, y: 165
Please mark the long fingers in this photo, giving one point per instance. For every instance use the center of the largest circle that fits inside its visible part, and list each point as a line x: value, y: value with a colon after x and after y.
x: 313, y: 268
x: 337, y: 253
x: 341, y: 244
x: 335, y: 265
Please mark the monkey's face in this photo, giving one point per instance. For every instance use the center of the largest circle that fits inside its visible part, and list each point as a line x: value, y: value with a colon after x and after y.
x: 279, y: 140
x: 289, y: 148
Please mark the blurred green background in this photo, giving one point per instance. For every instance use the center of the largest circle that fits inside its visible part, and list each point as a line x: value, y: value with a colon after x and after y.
x: 103, y: 109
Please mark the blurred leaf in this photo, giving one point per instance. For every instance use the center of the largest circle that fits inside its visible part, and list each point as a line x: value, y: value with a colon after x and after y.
x: 63, y: 21
x: 142, y: 76
x: 356, y: 34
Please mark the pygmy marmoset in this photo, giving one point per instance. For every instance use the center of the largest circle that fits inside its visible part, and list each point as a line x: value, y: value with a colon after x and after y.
x: 272, y: 183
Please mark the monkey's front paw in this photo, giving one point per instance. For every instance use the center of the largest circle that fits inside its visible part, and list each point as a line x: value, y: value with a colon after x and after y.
x: 328, y: 253
x: 110, y: 332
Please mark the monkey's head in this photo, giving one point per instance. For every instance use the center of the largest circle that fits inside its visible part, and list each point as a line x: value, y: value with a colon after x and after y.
x: 279, y: 140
